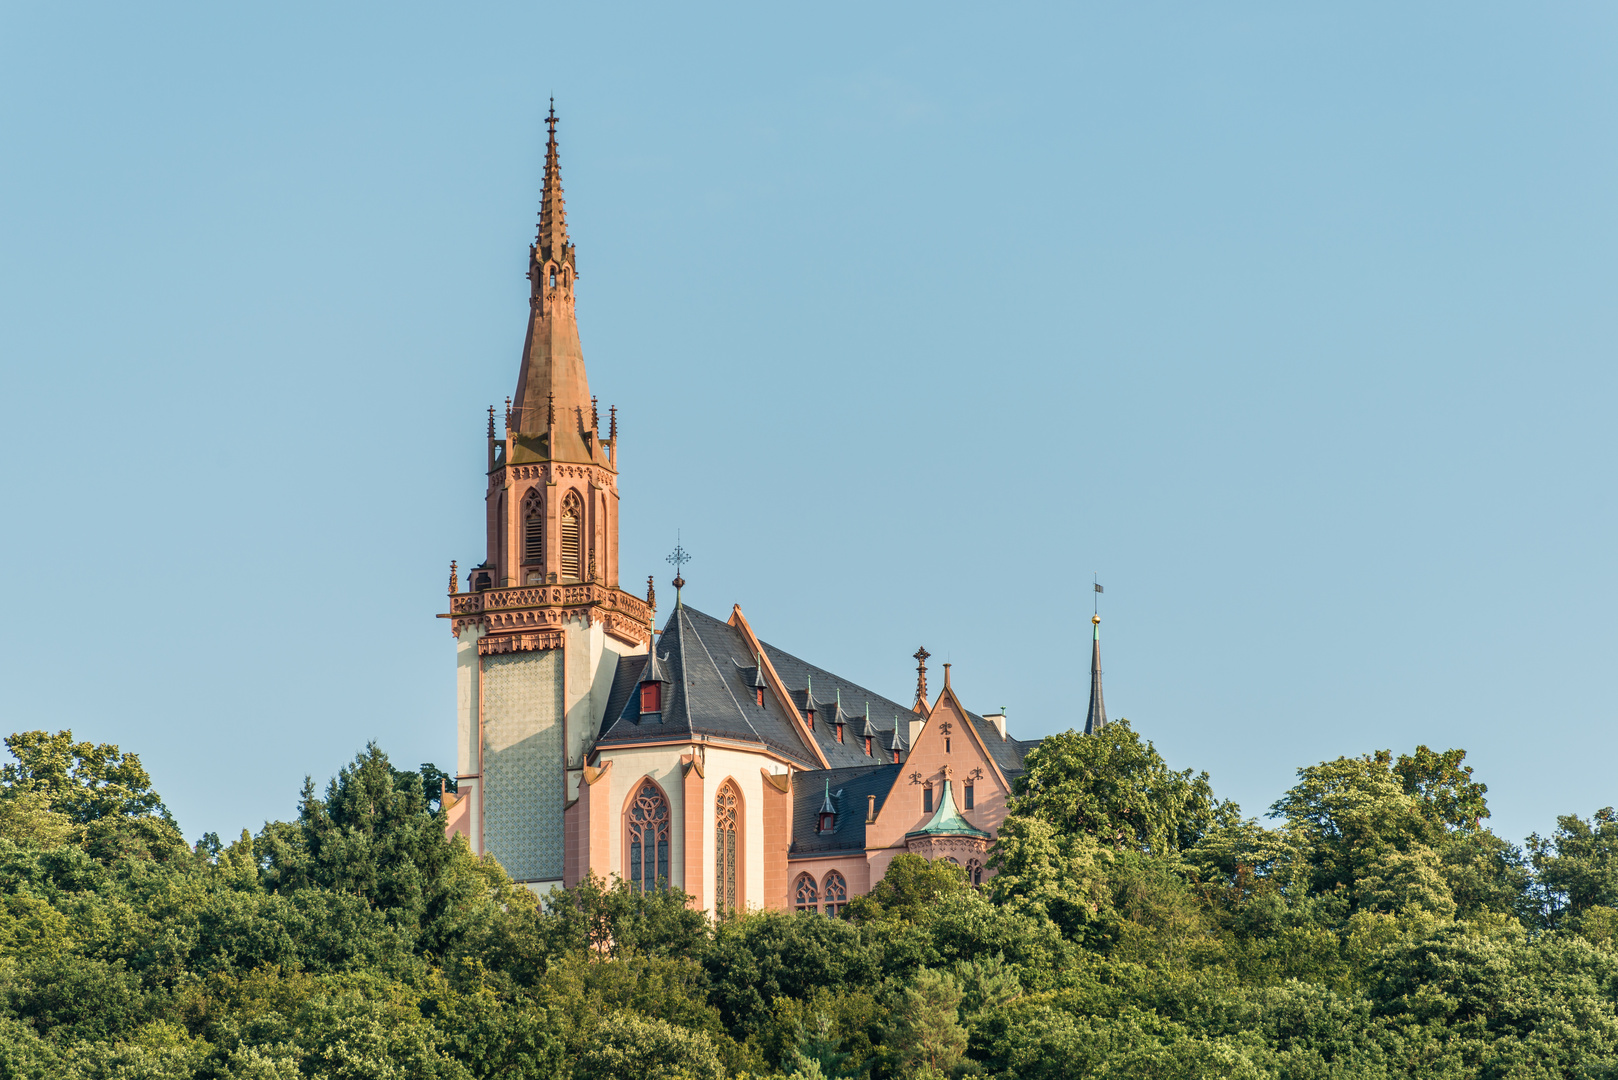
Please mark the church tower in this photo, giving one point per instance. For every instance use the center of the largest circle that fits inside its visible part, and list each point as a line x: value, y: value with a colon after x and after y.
x: 542, y: 621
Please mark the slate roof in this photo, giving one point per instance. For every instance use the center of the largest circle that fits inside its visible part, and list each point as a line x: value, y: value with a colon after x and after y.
x: 855, y: 786
x: 799, y: 674
x: 712, y: 689
x: 709, y: 692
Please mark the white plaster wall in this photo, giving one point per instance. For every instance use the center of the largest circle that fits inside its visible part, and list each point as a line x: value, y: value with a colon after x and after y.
x: 630, y: 766
x: 466, y: 730
x: 591, y: 660
x: 743, y: 767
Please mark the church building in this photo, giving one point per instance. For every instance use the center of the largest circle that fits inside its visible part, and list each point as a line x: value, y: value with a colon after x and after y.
x: 693, y: 752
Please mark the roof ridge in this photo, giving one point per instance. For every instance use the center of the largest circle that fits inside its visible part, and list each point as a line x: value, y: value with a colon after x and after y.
x: 728, y: 693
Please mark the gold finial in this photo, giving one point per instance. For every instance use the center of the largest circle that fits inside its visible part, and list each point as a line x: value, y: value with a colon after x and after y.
x: 1095, y: 619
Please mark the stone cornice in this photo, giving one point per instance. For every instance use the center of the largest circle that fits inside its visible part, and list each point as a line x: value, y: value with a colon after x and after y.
x: 600, y: 475
x: 531, y: 610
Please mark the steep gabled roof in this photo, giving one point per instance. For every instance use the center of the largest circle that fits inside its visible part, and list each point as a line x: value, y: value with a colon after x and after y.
x: 856, y: 702
x: 708, y: 692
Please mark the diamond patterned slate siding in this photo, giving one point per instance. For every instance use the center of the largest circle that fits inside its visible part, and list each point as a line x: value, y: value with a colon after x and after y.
x: 522, y: 763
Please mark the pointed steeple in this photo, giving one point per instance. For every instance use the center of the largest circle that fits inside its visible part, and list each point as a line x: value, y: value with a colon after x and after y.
x: 1097, y: 718
x: 552, y: 410
x: 552, y: 244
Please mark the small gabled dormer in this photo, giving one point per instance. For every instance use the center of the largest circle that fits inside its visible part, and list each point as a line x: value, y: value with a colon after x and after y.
x: 810, y: 706
x: 868, y: 732
x: 896, y: 742
x: 652, y: 683
x: 758, y: 682
x: 828, y: 812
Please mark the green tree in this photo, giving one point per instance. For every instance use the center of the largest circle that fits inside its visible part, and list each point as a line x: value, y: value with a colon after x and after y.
x: 627, y: 1046
x: 1117, y: 789
x: 909, y: 887
x: 1577, y: 865
x: 84, y: 781
x: 926, y: 1038
x: 759, y: 957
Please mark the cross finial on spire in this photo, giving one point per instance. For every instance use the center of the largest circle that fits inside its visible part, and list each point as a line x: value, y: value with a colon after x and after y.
x: 679, y: 558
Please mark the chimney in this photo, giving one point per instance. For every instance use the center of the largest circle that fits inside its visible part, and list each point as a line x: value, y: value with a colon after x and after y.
x: 870, y: 808
x: 999, y: 721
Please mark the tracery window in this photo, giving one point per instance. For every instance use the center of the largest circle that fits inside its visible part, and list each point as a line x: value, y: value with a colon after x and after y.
x: 836, y: 893
x: 647, y: 825
x: 806, y: 897
x: 572, y: 512
x: 974, y: 871
x: 533, y: 527
x: 727, y: 844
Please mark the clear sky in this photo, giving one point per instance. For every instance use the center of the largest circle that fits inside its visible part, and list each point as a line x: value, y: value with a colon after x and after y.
x: 1295, y: 323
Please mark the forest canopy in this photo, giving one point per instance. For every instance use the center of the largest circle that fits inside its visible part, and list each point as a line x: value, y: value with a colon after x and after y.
x: 1371, y: 925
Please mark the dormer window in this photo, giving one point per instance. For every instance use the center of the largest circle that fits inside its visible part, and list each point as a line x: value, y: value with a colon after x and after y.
x: 867, y: 746
x: 761, y: 696
x: 828, y: 811
x: 839, y: 732
x: 651, y: 697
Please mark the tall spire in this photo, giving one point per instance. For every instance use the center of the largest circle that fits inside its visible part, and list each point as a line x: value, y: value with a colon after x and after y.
x: 1097, y: 718
x: 552, y: 371
x: 552, y: 243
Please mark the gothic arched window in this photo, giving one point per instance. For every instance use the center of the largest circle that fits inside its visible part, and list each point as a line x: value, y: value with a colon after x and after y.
x: 727, y: 892
x: 572, y: 513
x: 806, y: 897
x: 974, y: 871
x: 836, y: 892
x: 533, y: 528
x: 647, y: 835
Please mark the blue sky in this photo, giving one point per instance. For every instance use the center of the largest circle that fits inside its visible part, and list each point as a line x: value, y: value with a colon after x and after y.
x: 1294, y: 324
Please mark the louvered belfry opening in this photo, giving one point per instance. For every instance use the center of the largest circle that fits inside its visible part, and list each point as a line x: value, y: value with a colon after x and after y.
x: 570, y: 540
x: 533, y: 529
